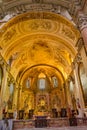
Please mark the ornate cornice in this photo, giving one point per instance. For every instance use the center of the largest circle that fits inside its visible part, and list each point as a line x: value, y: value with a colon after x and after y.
x: 28, y: 5
x: 15, y: 7
x: 77, y: 12
x: 20, y: 6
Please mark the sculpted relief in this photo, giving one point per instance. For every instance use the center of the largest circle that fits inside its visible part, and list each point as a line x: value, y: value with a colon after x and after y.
x: 9, y: 34
x: 40, y: 24
x: 67, y: 32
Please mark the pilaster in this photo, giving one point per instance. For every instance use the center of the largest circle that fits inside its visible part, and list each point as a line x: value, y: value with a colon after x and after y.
x: 19, y: 97
x: 78, y: 93
x: 82, y: 53
x: 82, y: 24
x: 15, y: 96
x: 69, y: 100
x: 3, y: 89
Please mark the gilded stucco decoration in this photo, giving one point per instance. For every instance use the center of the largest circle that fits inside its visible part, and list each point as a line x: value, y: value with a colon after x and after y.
x: 47, y: 70
x: 40, y: 42
x: 38, y: 38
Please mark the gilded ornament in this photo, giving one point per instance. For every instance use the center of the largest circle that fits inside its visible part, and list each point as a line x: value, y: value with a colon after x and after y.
x: 66, y: 31
x: 40, y: 25
x: 9, y: 34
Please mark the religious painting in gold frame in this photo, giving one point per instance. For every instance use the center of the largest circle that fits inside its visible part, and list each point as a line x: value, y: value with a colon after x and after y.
x: 83, y: 81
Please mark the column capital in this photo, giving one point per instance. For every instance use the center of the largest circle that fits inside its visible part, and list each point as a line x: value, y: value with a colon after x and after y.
x: 82, y: 21
x: 71, y: 78
x: 80, y: 44
x: 76, y: 61
x: 78, y: 58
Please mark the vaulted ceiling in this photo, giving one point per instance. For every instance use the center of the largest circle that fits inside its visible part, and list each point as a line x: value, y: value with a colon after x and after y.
x: 38, y: 40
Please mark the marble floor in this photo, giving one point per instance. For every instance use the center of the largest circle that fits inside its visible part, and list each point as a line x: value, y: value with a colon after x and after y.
x: 58, y: 128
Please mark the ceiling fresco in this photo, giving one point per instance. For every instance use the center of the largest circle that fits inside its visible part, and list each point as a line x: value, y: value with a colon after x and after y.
x: 39, y: 38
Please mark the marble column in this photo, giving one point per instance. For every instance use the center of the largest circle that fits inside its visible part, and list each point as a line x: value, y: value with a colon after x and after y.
x: 65, y: 94
x: 34, y: 105
x: 69, y: 94
x: 50, y: 102
x: 69, y: 100
x: 3, y: 89
x: 15, y: 97
x: 82, y: 23
x: 19, y: 98
x: 4, y: 83
x: 3, y: 96
x: 78, y: 94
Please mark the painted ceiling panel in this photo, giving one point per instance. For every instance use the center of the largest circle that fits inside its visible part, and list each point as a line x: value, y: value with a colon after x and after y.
x: 39, y: 38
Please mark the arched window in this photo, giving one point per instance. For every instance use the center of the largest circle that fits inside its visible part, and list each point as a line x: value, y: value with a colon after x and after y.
x: 42, y: 81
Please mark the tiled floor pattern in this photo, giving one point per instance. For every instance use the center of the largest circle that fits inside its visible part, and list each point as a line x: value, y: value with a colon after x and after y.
x: 59, y: 128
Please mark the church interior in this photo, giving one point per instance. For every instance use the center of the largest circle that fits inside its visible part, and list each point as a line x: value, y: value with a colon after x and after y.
x: 43, y: 59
